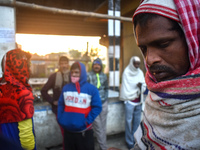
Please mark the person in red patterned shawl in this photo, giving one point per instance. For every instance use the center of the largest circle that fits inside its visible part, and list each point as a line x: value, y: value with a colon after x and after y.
x: 16, y: 99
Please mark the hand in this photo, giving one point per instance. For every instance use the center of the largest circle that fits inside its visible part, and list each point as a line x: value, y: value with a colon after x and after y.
x: 139, y: 85
x: 55, y: 103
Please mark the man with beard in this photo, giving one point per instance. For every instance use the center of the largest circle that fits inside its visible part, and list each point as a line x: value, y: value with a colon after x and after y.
x: 167, y: 32
x: 99, y: 79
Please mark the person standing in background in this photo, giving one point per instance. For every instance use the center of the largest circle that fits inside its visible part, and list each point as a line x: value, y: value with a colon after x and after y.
x: 133, y: 84
x: 99, y: 79
x: 79, y: 104
x: 56, y: 81
x: 16, y: 100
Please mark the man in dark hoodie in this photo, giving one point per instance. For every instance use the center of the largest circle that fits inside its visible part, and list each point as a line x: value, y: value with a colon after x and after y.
x: 99, y: 79
x: 78, y: 106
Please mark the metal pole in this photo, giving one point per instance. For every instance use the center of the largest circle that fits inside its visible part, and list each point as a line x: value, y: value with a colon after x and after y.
x: 114, y: 47
x: 62, y: 11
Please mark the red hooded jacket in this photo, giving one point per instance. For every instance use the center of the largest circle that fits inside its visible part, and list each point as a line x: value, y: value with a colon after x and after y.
x: 16, y: 98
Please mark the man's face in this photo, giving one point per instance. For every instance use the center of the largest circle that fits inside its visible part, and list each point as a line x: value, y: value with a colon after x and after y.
x: 136, y: 64
x: 75, y: 72
x: 164, y: 50
x: 96, y: 68
x: 64, y: 66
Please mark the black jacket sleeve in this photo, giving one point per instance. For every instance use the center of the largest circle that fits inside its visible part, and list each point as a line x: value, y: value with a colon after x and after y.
x: 49, y: 85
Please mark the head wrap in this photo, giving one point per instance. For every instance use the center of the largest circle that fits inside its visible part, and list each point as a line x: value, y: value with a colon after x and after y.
x: 96, y: 62
x: 187, y: 14
x: 167, y: 8
x: 136, y: 59
x: 17, y: 68
x: 130, y: 78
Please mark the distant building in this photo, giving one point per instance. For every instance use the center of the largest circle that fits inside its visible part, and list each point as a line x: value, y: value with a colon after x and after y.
x: 43, y: 66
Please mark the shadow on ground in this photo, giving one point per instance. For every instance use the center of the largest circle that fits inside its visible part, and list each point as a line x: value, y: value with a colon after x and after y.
x: 114, y: 142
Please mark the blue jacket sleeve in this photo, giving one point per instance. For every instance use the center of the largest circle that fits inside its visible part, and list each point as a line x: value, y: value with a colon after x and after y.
x: 96, y: 106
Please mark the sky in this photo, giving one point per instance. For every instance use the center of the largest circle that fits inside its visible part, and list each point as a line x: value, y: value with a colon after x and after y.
x: 45, y: 44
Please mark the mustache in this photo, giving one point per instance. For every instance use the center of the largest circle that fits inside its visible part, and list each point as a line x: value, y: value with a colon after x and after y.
x: 160, y: 68
x: 96, y: 67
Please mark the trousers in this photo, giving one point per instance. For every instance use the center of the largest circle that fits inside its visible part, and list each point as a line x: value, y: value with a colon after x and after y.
x: 79, y: 141
x: 132, y: 121
x: 99, y: 127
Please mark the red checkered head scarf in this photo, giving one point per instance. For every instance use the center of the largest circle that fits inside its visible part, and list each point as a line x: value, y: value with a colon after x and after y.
x: 187, y: 14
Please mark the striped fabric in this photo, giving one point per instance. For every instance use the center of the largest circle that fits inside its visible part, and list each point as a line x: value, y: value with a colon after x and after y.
x: 187, y: 86
x: 189, y: 13
x: 182, y: 88
x: 167, y: 9
x: 172, y: 108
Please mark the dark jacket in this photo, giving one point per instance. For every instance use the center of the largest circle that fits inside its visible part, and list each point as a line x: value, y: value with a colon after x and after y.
x: 92, y: 78
x: 56, y: 91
